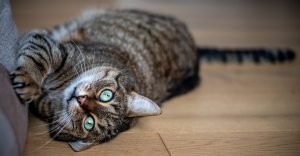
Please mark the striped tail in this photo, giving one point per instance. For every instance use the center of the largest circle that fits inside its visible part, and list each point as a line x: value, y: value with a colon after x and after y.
x: 241, y: 55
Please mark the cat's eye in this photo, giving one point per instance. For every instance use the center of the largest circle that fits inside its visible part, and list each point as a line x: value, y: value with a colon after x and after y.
x: 106, y: 95
x: 89, y: 123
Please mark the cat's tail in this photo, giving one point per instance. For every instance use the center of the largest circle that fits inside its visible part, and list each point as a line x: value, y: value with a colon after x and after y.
x: 240, y: 55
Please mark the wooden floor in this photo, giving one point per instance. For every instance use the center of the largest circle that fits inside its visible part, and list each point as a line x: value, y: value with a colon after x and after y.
x: 237, y: 110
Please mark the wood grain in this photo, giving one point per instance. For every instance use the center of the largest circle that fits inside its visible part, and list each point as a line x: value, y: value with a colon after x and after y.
x: 237, y: 110
x: 126, y: 144
x: 245, y: 143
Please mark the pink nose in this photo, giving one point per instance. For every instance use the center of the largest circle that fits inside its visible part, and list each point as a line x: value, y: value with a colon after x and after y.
x: 81, y: 99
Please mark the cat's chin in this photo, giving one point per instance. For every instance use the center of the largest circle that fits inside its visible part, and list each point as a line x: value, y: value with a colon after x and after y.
x: 62, y: 136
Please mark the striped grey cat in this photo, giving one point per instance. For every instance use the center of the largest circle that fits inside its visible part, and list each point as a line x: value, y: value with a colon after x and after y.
x: 90, y: 78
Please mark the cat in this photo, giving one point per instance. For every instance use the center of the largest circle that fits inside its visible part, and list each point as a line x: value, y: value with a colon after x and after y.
x: 92, y: 76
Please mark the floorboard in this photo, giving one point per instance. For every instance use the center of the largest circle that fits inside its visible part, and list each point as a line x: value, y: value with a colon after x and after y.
x: 245, y: 143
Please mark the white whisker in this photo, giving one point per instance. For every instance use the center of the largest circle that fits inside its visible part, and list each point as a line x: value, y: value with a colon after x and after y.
x: 79, y: 63
x: 84, y: 63
x: 61, y: 117
x: 68, y: 119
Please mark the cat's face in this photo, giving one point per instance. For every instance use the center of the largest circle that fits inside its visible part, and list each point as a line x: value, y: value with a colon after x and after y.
x: 97, y: 106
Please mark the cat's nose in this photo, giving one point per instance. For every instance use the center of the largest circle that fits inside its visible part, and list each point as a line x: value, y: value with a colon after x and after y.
x: 81, y: 99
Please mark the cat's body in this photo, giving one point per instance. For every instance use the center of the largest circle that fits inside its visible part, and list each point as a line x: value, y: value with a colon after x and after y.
x: 158, y: 51
x: 143, y: 56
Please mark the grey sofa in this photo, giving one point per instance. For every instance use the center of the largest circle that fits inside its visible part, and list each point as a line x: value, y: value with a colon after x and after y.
x: 13, y: 114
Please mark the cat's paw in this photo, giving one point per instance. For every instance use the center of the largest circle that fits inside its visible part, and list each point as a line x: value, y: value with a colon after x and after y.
x: 25, y: 87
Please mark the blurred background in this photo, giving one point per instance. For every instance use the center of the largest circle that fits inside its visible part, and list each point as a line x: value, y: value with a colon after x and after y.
x: 213, y: 22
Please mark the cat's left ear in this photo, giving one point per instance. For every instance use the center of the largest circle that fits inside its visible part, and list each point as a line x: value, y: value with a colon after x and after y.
x: 139, y: 105
x: 80, y: 145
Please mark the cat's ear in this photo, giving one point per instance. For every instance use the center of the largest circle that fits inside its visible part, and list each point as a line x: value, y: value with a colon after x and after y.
x: 80, y: 145
x: 139, y: 105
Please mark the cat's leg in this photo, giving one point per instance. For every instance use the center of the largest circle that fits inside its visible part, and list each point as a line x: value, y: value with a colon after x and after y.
x: 187, y: 84
x: 37, y: 56
x: 43, y: 108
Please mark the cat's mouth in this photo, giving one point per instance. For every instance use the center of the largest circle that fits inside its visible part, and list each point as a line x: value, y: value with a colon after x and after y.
x: 63, y: 136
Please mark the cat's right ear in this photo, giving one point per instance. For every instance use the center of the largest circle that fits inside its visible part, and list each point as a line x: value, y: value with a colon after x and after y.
x: 139, y: 105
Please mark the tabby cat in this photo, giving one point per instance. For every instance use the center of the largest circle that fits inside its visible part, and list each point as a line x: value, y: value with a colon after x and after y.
x: 91, y: 77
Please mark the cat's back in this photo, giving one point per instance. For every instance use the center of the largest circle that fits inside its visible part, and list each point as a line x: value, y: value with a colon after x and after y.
x: 161, y: 46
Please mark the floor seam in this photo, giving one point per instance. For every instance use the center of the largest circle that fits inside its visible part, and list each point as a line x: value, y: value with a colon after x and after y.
x: 164, y: 144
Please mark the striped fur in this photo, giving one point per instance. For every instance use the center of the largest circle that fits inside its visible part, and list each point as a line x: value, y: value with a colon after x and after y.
x: 123, y: 50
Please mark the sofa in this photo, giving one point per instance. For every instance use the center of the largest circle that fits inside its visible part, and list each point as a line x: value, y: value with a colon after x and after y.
x: 13, y: 114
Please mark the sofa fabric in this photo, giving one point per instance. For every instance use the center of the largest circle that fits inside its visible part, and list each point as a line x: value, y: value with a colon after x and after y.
x: 13, y: 114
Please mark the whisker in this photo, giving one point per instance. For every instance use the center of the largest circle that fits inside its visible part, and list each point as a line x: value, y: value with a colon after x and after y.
x: 51, y: 139
x: 84, y: 63
x: 62, y: 117
x: 79, y: 63
x: 93, y: 65
x: 46, y: 124
x: 75, y: 69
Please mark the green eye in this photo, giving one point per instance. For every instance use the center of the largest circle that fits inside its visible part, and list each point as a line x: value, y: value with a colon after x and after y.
x: 106, y: 95
x: 89, y: 123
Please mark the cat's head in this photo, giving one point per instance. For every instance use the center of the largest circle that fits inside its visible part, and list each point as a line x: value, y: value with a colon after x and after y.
x: 98, y: 105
